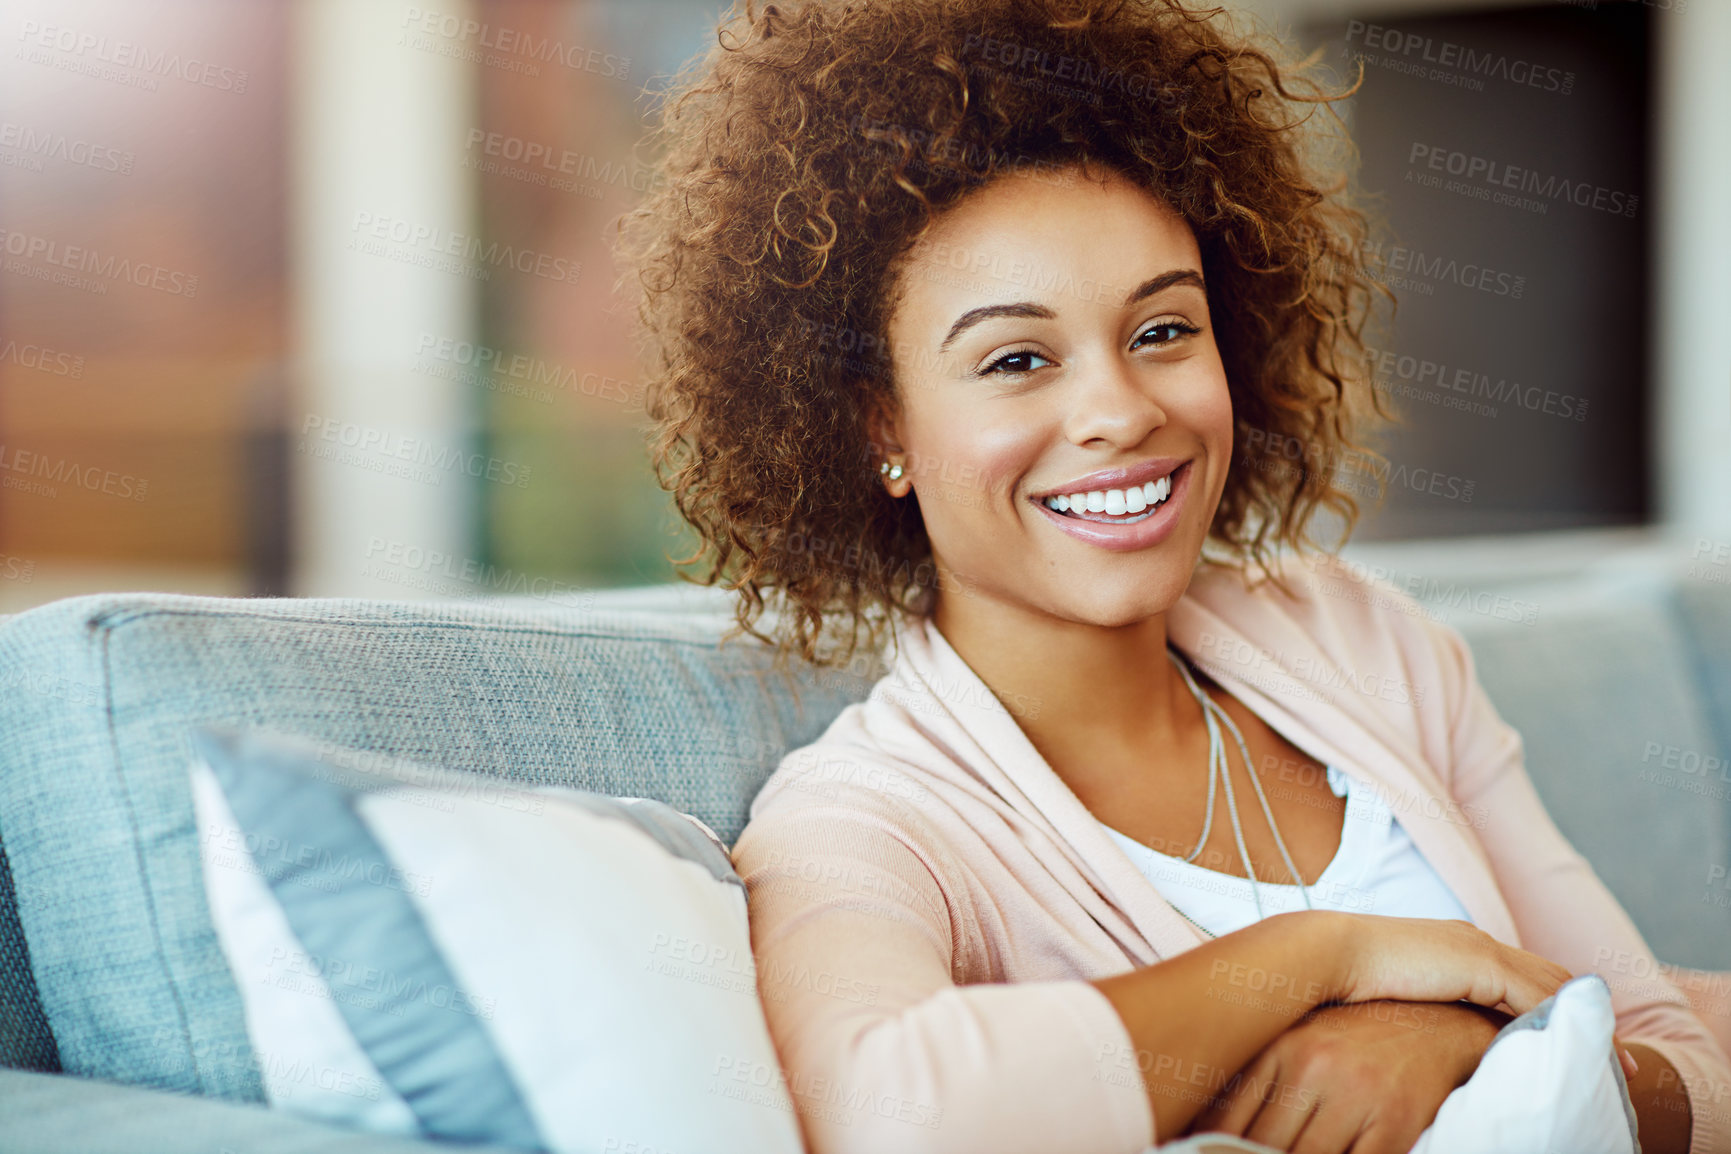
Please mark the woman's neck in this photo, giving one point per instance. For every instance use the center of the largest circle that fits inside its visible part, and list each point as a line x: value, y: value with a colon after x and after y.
x: 1088, y: 697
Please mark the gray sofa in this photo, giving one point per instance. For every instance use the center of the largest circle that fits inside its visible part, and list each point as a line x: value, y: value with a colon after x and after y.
x: 121, y: 1028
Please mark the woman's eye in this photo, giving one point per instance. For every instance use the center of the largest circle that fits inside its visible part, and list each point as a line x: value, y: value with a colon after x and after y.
x: 1013, y: 362
x: 1171, y: 331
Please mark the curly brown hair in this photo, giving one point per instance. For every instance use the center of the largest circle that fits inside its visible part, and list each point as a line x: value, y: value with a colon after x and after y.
x: 812, y: 146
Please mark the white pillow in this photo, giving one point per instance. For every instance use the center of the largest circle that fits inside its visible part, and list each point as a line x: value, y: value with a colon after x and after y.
x: 427, y: 952
x: 1548, y: 1082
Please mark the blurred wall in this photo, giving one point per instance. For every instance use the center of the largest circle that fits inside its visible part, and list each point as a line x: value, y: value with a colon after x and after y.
x: 1506, y: 153
x: 143, y: 183
x: 315, y: 296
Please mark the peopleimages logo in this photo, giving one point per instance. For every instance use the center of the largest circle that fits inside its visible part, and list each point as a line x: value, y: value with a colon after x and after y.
x: 38, y: 473
x: 535, y: 372
x: 1447, y: 60
x: 564, y: 162
x: 425, y: 244
x: 448, y: 574
x: 1388, y: 366
x: 498, y: 38
x: 417, y: 457
x: 29, y: 247
x: 125, y: 54
x: 1400, y: 267
x: 66, y: 149
x: 1492, y: 176
x: 1305, y: 667
x: 1041, y: 64
x: 42, y: 359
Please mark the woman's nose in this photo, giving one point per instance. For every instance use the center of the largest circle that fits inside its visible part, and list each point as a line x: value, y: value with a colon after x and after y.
x: 1110, y: 401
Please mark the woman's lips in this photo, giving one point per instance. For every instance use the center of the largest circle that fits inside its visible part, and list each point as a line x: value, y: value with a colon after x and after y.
x: 1124, y: 535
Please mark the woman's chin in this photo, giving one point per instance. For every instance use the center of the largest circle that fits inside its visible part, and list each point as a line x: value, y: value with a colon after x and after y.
x: 1116, y: 609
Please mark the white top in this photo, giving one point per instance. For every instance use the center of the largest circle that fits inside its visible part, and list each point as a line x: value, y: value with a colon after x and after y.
x: 1377, y: 869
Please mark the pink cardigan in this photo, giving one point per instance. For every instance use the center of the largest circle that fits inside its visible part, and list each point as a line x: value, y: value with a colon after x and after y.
x: 928, y: 899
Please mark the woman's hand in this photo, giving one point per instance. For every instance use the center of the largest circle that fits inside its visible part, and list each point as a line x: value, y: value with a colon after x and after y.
x: 1211, y: 1010
x: 1437, y: 960
x: 1368, y: 1077
x: 1442, y: 960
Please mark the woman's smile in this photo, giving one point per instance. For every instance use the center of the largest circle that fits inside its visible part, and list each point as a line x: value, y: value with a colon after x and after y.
x: 1125, y: 531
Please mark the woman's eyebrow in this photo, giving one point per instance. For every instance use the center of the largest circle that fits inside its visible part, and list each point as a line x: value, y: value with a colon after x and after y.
x: 1142, y: 291
x: 1163, y: 282
x: 985, y: 312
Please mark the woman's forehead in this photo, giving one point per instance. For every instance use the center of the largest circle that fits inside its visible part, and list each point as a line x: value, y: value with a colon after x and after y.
x: 1022, y: 239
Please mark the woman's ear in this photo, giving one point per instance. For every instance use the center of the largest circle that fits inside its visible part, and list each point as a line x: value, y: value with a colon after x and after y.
x: 884, y: 448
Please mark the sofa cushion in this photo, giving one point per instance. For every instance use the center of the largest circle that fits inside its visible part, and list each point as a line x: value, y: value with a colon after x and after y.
x: 1603, y: 688
x: 96, y: 813
x: 436, y: 953
x: 57, y: 1113
x: 1705, y: 603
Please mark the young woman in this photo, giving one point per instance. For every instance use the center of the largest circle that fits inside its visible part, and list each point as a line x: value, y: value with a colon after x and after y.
x: 962, y: 308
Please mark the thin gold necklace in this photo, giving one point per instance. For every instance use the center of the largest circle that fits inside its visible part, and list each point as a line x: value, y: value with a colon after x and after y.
x: 1218, y: 771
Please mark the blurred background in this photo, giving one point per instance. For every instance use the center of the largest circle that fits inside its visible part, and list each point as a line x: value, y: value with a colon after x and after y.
x: 314, y: 297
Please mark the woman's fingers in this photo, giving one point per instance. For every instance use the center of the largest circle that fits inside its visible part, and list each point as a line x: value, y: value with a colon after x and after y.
x: 1533, y: 979
x: 1626, y: 1057
x: 1235, y: 1108
x: 1552, y: 977
x: 1444, y: 960
x: 1331, y: 1130
x: 1282, y: 1120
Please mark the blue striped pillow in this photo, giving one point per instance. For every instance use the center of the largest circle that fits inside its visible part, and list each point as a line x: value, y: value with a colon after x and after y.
x: 429, y: 952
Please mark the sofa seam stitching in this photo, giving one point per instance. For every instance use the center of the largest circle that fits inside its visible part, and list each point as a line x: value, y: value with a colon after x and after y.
x: 138, y: 855
x: 109, y: 623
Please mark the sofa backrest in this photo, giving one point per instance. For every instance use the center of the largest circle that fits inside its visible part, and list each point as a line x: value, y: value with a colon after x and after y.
x: 96, y: 818
x: 1611, y: 684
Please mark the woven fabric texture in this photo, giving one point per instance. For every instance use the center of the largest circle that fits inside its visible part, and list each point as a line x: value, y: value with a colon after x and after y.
x: 26, y: 1042
x: 55, y: 1114
x: 95, y: 805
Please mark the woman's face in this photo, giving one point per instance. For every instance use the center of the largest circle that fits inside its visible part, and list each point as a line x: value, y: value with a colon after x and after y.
x: 1053, y: 338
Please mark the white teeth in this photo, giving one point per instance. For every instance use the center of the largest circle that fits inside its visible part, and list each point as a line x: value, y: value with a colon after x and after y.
x: 1114, y: 502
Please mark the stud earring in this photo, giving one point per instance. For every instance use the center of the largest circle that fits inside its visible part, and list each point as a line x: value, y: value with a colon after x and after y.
x: 893, y: 471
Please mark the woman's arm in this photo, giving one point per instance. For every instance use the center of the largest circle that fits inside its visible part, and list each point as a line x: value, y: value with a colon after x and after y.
x: 1369, y: 1077
x: 1662, y: 1110
x: 857, y: 942
x: 1564, y: 912
x: 1199, y: 1018
x: 858, y: 934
